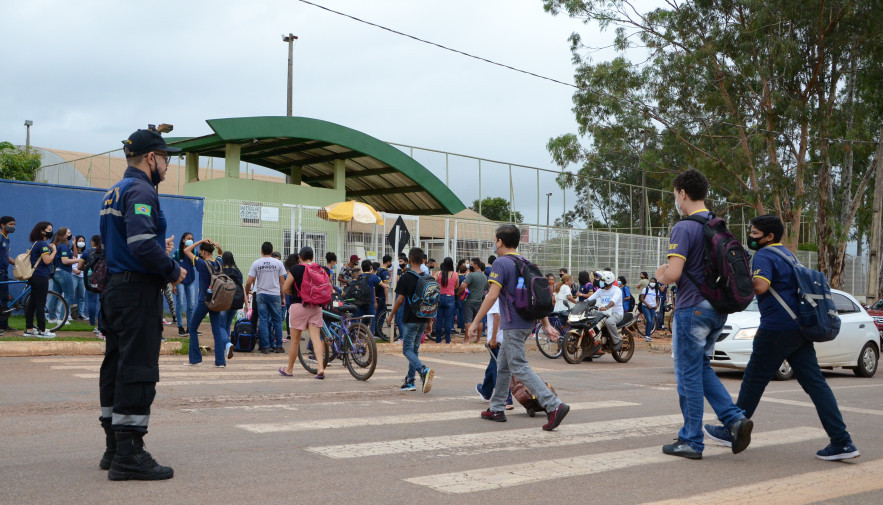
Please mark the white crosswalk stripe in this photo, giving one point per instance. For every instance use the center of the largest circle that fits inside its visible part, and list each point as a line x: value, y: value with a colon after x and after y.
x: 483, y: 479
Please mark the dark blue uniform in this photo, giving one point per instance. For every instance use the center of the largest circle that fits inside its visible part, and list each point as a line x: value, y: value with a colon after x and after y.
x: 4, y: 276
x: 133, y: 230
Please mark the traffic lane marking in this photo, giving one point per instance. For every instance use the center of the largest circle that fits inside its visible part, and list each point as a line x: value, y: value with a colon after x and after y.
x: 812, y: 487
x: 511, y: 440
x: 810, y: 404
x: 485, y: 479
x: 211, y: 371
x: 400, y: 419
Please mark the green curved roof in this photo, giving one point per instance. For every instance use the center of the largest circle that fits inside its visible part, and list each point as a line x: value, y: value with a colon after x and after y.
x: 376, y: 173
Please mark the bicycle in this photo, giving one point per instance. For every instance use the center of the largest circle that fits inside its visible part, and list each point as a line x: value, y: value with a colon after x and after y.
x: 551, y: 350
x: 345, y: 338
x: 381, y: 327
x: 21, y: 301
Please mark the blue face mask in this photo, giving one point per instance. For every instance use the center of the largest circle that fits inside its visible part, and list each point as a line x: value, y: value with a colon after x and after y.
x: 601, y: 284
x: 188, y: 243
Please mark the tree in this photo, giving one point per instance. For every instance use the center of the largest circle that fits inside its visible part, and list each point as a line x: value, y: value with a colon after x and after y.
x: 777, y: 105
x: 18, y: 164
x: 497, y: 209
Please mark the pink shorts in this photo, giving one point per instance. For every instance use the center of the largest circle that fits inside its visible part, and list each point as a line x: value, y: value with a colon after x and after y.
x: 300, y: 316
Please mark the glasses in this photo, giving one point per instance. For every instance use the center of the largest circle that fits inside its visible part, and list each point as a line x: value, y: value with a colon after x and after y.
x: 166, y: 157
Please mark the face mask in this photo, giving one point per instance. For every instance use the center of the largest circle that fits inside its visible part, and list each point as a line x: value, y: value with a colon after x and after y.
x: 188, y: 243
x: 81, y: 244
x: 754, y: 245
x: 10, y: 229
x: 652, y: 284
x: 601, y: 284
x: 48, y: 234
x: 678, y: 207
x: 68, y: 238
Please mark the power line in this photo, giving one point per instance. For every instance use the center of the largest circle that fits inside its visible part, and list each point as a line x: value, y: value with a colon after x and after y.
x: 636, y: 103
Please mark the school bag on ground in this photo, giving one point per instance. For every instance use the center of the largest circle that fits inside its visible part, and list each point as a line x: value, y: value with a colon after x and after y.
x: 24, y: 269
x: 315, y: 288
x: 359, y: 290
x: 728, y: 285
x: 424, y: 302
x: 816, y: 314
x: 221, y: 290
x: 95, y: 273
x: 533, y: 300
x: 243, y: 337
x: 526, y: 398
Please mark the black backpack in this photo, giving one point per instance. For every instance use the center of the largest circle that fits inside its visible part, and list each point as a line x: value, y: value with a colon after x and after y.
x: 243, y: 337
x: 359, y: 290
x: 95, y: 272
x: 239, y: 295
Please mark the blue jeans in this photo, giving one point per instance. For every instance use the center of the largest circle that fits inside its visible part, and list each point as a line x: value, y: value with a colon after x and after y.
x: 649, y: 319
x: 770, y: 348
x: 63, y: 284
x: 694, y: 332
x: 366, y: 310
x: 490, y: 377
x: 79, y: 297
x: 228, y: 317
x: 411, y: 333
x: 185, y: 302
x: 220, y: 343
x: 458, y: 309
x: 400, y: 317
x: 445, y: 318
x: 93, y: 300
x: 270, y: 320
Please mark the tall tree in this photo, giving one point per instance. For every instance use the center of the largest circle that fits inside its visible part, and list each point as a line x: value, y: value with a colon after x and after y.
x: 18, y: 164
x: 497, y: 209
x: 749, y: 92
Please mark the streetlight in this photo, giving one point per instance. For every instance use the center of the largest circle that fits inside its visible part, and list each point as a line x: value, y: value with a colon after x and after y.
x: 290, y: 40
x: 548, y: 197
x: 28, y: 124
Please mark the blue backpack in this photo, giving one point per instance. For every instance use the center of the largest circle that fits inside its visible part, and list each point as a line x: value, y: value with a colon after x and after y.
x: 816, y: 314
x: 424, y: 302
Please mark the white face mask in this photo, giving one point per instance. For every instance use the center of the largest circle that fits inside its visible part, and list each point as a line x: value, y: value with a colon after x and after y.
x: 81, y: 244
x: 652, y: 284
x: 678, y: 207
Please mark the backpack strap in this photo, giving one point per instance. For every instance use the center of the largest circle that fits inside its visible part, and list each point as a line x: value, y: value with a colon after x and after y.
x: 794, y: 262
x: 703, y: 221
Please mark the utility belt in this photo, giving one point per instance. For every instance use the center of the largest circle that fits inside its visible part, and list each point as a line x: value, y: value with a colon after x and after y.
x: 131, y: 277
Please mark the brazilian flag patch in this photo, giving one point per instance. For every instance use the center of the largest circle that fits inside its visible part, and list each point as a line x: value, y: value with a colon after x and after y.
x: 143, y: 209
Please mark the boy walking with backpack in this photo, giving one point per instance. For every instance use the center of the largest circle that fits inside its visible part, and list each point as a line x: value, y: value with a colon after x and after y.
x: 524, y: 297
x: 418, y: 292
x: 779, y: 337
x: 696, y: 325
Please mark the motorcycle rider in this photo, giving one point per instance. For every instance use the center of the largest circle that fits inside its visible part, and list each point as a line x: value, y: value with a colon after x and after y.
x: 609, y: 298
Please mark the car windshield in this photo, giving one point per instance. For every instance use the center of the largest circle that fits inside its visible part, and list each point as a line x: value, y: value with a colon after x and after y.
x: 752, y: 307
x: 878, y: 305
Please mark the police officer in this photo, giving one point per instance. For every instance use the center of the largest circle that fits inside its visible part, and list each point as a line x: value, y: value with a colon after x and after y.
x: 133, y: 231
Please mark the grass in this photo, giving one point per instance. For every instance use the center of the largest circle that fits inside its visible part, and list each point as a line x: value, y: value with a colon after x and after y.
x: 17, y: 321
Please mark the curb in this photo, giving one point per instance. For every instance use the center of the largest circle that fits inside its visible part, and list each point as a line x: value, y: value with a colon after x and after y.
x: 66, y: 348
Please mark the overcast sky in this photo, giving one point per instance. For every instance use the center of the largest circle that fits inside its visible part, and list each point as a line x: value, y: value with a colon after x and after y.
x: 88, y: 73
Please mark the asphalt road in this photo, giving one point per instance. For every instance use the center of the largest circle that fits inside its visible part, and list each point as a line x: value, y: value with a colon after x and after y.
x: 244, y: 434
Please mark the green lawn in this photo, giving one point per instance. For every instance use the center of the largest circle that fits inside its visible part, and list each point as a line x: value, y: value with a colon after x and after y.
x: 18, y: 322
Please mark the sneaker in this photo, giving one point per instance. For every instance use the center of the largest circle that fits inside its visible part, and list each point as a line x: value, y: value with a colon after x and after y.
x: 509, y: 406
x: 265, y: 351
x: 182, y: 332
x: 46, y: 334
x: 648, y: 339
x: 740, y: 431
x: 52, y: 322
x: 478, y: 390
x: 426, y: 376
x: 838, y: 452
x: 556, y: 416
x: 280, y: 350
x: 408, y: 386
x: 31, y: 333
x: 187, y: 363
x: 95, y: 331
x: 617, y: 346
x: 220, y: 366
x: 101, y: 336
x: 490, y: 415
x: 229, y: 350
x: 719, y: 434
x: 681, y: 448
x: 166, y: 323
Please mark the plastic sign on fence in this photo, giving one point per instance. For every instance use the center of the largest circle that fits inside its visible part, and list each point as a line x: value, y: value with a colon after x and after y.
x: 404, y: 236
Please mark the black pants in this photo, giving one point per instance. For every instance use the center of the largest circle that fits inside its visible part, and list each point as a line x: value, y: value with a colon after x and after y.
x: 131, y: 320
x: 4, y: 297
x: 37, y: 303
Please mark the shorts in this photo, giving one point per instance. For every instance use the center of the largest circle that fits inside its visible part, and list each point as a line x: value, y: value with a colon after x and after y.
x: 469, y: 311
x: 300, y: 316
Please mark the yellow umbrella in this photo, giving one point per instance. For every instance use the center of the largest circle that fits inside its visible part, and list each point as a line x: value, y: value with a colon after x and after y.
x: 351, y: 211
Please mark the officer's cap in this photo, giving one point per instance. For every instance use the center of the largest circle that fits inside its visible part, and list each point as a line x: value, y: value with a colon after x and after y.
x: 145, y: 141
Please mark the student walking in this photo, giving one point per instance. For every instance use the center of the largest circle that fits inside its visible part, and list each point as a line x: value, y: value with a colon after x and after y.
x: 205, y: 266
x: 696, y: 326
x: 303, y: 317
x: 267, y: 275
x: 779, y: 338
x: 447, y: 279
x: 511, y: 359
x: 62, y: 277
x: 412, y: 324
x: 93, y: 299
x: 477, y: 284
x: 43, y: 254
x: 77, y: 277
x: 649, y: 298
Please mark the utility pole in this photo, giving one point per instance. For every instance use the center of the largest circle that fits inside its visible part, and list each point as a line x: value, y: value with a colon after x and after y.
x: 645, y: 211
x: 290, y: 39
x: 876, y: 227
x: 28, y: 124
x: 548, y: 198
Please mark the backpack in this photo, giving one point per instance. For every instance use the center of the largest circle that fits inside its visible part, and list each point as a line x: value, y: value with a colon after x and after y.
x: 728, y: 285
x: 24, y: 269
x: 533, y: 300
x: 243, y: 337
x: 95, y: 273
x: 424, y: 302
x: 816, y: 312
x: 239, y: 296
x: 359, y: 291
x: 221, y: 290
x: 627, y: 300
x: 315, y: 288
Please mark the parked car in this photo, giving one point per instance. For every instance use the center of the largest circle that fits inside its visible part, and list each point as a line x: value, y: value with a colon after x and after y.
x: 876, y: 311
x: 857, y: 346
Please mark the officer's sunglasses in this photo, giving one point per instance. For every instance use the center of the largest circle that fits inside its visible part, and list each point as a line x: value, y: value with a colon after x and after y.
x: 166, y: 157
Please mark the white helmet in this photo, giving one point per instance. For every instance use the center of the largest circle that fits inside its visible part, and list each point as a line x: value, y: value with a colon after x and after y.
x: 608, y: 277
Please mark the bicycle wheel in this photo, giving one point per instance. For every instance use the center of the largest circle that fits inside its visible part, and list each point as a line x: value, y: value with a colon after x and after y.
x: 381, y: 328
x: 551, y: 350
x: 305, y: 353
x: 361, y: 352
x: 61, y: 304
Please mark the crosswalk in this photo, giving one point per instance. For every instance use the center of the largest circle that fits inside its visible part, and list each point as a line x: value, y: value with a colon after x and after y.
x: 443, y: 427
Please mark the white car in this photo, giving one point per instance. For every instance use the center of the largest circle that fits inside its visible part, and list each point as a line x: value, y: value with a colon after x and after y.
x: 856, y: 347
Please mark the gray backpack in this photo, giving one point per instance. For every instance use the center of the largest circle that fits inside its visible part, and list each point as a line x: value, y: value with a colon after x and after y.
x: 221, y: 290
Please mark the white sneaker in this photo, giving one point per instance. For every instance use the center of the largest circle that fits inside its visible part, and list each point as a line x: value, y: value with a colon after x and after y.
x: 46, y: 334
x: 229, y: 350
x: 51, y: 322
x: 31, y: 333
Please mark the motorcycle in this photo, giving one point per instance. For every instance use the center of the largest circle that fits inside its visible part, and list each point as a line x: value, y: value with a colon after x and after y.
x: 587, y: 335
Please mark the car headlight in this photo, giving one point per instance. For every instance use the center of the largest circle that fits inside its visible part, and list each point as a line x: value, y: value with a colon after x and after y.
x: 745, y: 334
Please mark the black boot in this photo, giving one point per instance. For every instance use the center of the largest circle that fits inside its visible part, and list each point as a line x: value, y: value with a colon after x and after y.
x: 111, y: 448
x: 132, y: 462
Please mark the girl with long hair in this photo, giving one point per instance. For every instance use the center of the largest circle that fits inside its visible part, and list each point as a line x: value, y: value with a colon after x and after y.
x: 42, y: 255
x: 228, y: 266
x: 303, y: 317
x: 93, y: 299
x: 185, y: 292
x: 564, y: 293
x: 63, y: 277
x: 449, y: 282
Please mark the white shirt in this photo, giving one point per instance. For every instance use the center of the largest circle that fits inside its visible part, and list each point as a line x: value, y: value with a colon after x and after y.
x: 561, y: 297
x: 490, y: 322
x: 266, y: 273
x: 607, y: 295
x: 649, y: 297
x: 424, y: 269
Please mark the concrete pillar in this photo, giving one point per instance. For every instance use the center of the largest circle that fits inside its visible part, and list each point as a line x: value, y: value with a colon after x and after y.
x: 231, y: 160
x: 340, y: 175
x: 191, y: 165
x: 296, y: 175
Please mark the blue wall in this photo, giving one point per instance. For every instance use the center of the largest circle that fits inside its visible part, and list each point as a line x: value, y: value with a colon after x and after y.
x: 77, y: 208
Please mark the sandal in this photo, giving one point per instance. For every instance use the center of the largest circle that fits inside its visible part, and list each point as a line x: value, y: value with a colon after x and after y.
x: 320, y: 376
x: 283, y: 372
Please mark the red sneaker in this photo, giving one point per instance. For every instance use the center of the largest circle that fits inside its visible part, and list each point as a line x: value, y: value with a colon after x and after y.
x: 490, y: 415
x: 556, y: 416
